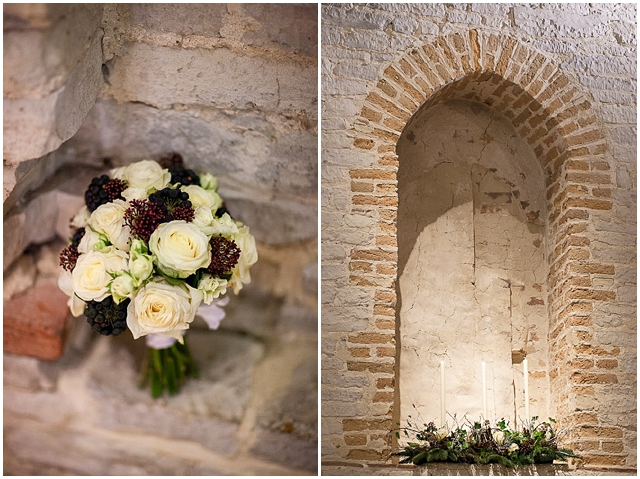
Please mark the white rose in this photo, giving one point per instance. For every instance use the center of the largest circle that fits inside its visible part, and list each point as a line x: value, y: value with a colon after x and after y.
x: 140, y: 267
x: 513, y: 447
x: 441, y: 433
x: 209, y: 182
x: 145, y: 174
x: 90, y: 277
x: 122, y: 287
x: 140, y: 263
x: 498, y: 437
x: 202, y: 217
x: 91, y: 241
x: 81, y: 218
x: 160, y: 308
x: 134, y: 194
x: 212, y: 287
x: 224, y: 226
x: 117, y: 172
x: 201, y: 197
x: 65, y: 283
x: 248, y: 256
x: 180, y: 248
x: 108, y: 219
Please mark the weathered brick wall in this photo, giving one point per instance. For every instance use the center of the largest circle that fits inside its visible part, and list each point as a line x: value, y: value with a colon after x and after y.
x: 233, y: 88
x: 564, y: 75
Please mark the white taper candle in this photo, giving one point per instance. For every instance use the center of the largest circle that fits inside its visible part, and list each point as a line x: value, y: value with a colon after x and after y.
x: 525, y: 368
x: 484, y: 391
x: 443, y: 409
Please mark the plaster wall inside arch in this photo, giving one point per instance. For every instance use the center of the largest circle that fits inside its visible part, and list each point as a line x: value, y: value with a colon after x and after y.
x: 471, y: 265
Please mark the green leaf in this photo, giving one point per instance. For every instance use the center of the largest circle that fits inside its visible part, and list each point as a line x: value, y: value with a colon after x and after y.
x: 170, y: 280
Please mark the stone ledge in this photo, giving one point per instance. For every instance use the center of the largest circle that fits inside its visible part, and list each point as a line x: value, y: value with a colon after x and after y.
x: 342, y: 468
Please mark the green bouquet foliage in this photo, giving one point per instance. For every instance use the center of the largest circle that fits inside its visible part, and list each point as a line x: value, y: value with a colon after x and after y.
x: 479, y: 443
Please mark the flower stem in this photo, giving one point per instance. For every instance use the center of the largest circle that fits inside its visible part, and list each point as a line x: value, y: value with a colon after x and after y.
x: 167, y: 369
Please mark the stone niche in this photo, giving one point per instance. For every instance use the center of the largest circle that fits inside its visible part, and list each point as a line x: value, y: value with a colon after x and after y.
x: 471, y: 266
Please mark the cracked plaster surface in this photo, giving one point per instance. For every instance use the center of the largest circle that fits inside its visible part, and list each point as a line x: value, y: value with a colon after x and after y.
x: 472, y: 268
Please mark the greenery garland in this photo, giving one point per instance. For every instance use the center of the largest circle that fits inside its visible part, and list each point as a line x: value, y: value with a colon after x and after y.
x: 477, y: 443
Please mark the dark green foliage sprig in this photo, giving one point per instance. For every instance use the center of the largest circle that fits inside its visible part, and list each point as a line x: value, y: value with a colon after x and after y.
x: 480, y: 443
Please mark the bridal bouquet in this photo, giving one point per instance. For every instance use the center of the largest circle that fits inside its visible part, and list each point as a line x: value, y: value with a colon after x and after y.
x: 151, y: 245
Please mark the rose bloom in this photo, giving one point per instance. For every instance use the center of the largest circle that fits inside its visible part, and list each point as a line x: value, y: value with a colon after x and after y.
x: 65, y: 283
x: 108, y: 219
x: 513, y: 447
x: 212, y: 287
x: 81, y: 218
x: 180, y: 248
x: 248, y: 256
x: 134, y: 194
x: 160, y: 308
x: 201, y: 197
x: 208, y: 182
x: 499, y: 437
x: 224, y: 226
x: 90, y: 277
x: 91, y: 241
x: 145, y: 174
x: 202, y: 218
x: 122, y: 287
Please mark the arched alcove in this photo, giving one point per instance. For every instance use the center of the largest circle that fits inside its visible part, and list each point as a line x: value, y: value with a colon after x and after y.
x: 555, y: 119
x: 472, y: 265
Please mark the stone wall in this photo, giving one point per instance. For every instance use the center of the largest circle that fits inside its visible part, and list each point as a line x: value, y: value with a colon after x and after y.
x: 564, y: 77
x: 233, y: 89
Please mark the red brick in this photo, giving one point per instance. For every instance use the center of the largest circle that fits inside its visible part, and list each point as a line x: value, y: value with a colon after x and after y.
x: 612, y: 447
x: 384, y: 383
x: 372, y: 367
x: 591, y: 178
x: 589, y: 204
x: 386, y: 352
x: 35, y: 322
x: 360, y: 352
x: 375, y: 200
x: 370, y: 338
x: 383, y: 397
x: 383, y: 310
x: 386, y: 324
x: 388, y: 296
x: 372, y: 115
x: 355, y: 439
x: 374, y: 255
x: 363, y: 143
x: 604, y: 460
x: 373, y: 174
x: 579, y: 377
x: 607, y: 363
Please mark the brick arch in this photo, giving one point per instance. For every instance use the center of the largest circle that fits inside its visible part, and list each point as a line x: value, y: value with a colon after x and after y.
x: 556, y: 119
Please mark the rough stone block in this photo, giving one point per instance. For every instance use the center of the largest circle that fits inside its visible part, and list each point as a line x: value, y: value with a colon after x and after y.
x: 271, y: 186
x: 35, y: 322
x: 287, y: 449
x: 20, y: 277
x: 291, y: 27
x: 193, y: 19
x: 222, y: 78
x: 52, y: 76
